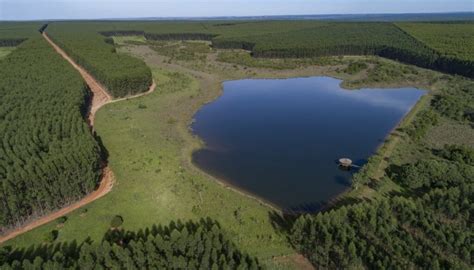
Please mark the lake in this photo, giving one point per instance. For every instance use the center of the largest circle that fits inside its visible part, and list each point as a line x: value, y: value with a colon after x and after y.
x: 279, y: 139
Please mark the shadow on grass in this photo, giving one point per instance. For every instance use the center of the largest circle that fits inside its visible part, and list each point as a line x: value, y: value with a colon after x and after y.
x: 342, y: 201
x: 282, y: 222
x: 69, y: 249
x: 104, y: 154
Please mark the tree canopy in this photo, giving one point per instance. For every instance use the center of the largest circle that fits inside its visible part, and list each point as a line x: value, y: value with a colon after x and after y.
x: 48, y: 156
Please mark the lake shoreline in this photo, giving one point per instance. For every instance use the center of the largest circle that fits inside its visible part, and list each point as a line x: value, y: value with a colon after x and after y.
x: 381, y: 149
x: 317, y: 205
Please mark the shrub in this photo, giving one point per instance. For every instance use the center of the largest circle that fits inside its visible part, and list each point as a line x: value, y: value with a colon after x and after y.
x: 420, y: 126
x: 50, y: 236
x: 116, y: 222
x: 62, y: 220
x: 122, y: 74
x: 355, y: 67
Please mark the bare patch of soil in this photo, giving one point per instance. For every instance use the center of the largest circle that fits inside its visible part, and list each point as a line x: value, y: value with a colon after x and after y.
x: 296, y: 260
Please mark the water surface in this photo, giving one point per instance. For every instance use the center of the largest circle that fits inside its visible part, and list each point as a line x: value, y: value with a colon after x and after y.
x: 280, y: 139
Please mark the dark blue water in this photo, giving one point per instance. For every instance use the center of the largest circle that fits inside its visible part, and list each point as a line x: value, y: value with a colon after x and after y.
x: 280, y: 139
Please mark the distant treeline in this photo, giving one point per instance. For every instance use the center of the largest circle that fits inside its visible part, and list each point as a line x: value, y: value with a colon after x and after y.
x: 14, y: 33
x: 179, y: 36
x: 192, y: 245
x: 234, y: 44
x: 48, y: 156
x: 155, y: 36
x: 11, y: 42
x: 382, y: 39
x: 122, y: 33
x: 43, y: 27
x: 431, y: 61
x: 442, y: 46
x: 445, y: 46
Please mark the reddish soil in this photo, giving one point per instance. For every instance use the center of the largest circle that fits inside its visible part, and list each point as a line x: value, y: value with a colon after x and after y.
x: 100, y: 97
x: 296, y: 260
x: 106, y: 183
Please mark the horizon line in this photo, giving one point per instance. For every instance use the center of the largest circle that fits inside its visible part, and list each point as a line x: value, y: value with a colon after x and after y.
x: 237, y: 16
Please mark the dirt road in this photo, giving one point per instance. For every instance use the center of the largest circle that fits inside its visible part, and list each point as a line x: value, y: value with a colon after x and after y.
x: 106, y: 183
x: 100, y: 97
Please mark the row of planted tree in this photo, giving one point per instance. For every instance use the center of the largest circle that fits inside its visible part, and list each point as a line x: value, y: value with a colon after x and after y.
x: 192, y: 245
x: 426, y: 225
x: 48, y: 156
x: 121, y: 74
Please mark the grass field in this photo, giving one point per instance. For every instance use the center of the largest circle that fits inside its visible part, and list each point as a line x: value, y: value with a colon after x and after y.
x: 149, y: 146
x: 182, y: 50
x: 145, y: 138
x: 244, y: 58
x: 125, y: 40
x: 4, y: 51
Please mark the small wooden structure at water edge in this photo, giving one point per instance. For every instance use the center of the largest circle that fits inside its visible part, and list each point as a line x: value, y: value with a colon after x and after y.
x: 345, y: 162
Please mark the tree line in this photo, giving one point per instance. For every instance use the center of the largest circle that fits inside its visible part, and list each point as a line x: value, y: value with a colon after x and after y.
x: 427, y: 225
x: 179, y: 36
x: 13, y: 34
x: 159, y: 36
x: 399, y: 42
x: 13, y: 42
x: 429, y: 230
x: 121, y: 74
x: 382, y: 39
x: 48, y: 156
x: 190, y: 245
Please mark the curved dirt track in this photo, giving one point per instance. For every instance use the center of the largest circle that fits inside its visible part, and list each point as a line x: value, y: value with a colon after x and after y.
x: 100, y: 97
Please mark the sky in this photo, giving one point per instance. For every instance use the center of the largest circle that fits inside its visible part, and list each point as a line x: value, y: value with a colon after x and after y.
x: 94, y: 9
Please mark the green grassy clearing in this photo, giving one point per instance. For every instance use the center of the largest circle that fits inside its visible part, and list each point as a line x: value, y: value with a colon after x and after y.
x: 182, y: 50
x: 244, y: 58
x: 144, y: 138
x: 4, y: 51
x: 126, y: 40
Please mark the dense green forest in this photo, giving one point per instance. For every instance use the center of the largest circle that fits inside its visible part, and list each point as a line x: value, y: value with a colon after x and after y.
x: 48, y: 156
x: 450, y: 39
x: 14, y: 33
x: 430, y: 229
x: 382, y: 39
x: 456, y: 102
x: 426, y: 226
x: 121, y: 74
x: 440, y: 46
x: 192, y: 245
x: 430, y: 232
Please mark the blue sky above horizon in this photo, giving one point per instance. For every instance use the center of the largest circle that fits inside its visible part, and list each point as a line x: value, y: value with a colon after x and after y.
x: 94, y: 9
